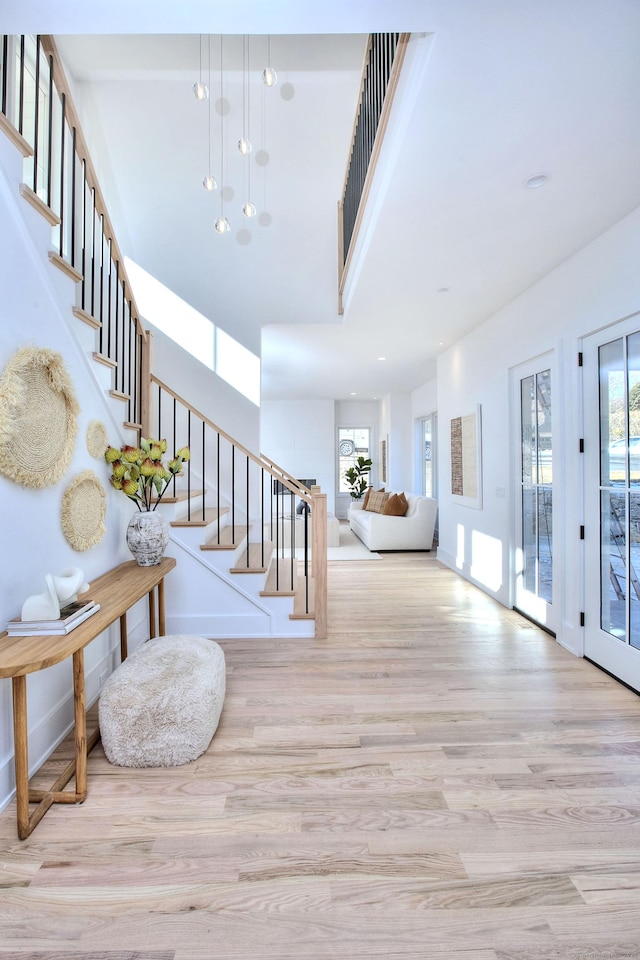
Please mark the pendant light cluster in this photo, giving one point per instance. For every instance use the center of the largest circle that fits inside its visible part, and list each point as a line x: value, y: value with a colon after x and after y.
x: 202, y: 92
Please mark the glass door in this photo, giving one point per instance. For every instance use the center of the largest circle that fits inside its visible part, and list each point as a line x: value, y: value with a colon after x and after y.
x: 534, y: 497
x: 612, y: 501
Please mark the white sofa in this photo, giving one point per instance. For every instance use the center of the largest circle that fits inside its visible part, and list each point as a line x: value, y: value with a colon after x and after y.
x: 414, y: 531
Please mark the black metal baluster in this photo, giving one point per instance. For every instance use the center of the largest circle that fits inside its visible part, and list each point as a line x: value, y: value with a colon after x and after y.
x: 189, y: 466
x: 21, y: 89
x: 218, y: 484
x: 36, y: 117
x: 101, y: 287
x: 74, y: 161
x: 83, y: 288
x: 93, y: 249
x: 50, y: 136
x: 5, y: 54
x: 204, y: 471
x: 61, y: 214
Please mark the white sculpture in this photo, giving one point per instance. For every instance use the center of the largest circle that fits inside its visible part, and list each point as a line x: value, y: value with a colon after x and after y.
x: 60, y: 590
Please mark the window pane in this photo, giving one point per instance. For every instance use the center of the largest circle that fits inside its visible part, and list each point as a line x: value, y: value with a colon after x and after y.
x: 613, y: 552
x: 634, y: 570
x: 353, y: 442
x: 633, y: 386
x: 528, y: 429
x: 545, y: 543
x: 613, y: 442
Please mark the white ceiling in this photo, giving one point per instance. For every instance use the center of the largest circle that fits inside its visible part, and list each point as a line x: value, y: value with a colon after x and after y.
x: 492, y: 93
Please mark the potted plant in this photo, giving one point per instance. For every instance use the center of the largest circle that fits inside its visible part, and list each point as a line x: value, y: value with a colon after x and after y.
x: 141, y: 475
x: 356, y: 477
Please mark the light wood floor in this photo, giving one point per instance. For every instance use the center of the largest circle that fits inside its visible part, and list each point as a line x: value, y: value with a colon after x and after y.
x: 438, y: 779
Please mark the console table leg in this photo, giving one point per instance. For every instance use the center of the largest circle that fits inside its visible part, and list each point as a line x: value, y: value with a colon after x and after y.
x: 152, y: 615
x: 161, y: 606
x: 80, y: 712
x: 19, y: 687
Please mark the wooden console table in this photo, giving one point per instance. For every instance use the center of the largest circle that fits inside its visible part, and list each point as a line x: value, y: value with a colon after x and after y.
x: 115, y: 591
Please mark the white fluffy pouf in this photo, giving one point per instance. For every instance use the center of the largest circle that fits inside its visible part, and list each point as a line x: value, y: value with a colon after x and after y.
x: 161, y: 707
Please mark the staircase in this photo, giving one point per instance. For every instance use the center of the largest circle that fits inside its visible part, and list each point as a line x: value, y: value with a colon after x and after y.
x: 239, y: 572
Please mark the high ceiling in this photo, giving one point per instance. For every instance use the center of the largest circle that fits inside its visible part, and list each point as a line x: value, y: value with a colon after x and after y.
x: 492, y: 93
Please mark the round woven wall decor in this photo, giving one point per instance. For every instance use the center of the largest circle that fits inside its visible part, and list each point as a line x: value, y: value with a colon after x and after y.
x: 38, y: 410
x: 97, y: 439
x: 83, y: 509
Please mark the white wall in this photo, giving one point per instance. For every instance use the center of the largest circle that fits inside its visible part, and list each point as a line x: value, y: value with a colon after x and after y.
x: 36, y: 307
x: 357, y: 413
x: 299, y: 436
x: 594, y: 288
x: 396, y: 428
x: 205, y: 390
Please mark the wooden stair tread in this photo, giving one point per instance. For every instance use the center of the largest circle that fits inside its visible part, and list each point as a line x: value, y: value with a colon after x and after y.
x: 299, y: 603
x: 229, y: 538
x: 211, y: 514
x: 183, y: 495
x: 279, y: 579
x: 256, y: 564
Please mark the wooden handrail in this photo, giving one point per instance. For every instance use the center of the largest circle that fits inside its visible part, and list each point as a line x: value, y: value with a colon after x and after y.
x: 260, y: 461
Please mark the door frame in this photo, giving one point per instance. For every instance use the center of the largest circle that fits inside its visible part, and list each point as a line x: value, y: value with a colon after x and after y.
x: 615, y: 658
x: 518, y: 372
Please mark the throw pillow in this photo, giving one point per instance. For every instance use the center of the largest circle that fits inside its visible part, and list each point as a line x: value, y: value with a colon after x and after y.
x: 377, y: 501
x: 366, y: 498
x: 396, y: 505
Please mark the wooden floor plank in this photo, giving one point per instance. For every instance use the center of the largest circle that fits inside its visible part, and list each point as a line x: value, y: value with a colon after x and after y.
x: 437, y: 780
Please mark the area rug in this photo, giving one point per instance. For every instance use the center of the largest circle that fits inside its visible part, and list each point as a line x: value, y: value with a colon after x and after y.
x: 351, y: 548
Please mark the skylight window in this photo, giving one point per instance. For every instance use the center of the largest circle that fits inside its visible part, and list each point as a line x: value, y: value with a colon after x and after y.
x: 193, y: 332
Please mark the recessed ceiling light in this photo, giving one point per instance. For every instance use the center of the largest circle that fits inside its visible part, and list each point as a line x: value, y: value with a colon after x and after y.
x: 352, y: 394
x: 382, y: 358
x: 535, y: 181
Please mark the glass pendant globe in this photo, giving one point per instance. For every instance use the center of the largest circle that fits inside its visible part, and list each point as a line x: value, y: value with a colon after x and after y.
x: 222, y: 225
x: 249, y: 209
x: 210, y: 183
x: 244, y: 146
x: 269, y: 77
x: 200, y: 90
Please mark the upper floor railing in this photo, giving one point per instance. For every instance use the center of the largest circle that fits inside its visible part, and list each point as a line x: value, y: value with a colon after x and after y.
x: 382, y: 65
x: 37, y: 112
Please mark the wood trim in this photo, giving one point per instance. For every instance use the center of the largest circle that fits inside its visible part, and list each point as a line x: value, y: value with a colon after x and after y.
x: 107, y: 361
x: 319, y: 560
x: 16, y: 138
x: 396, y: 69
x: 38, y: 204
x: 49, y: 48
x: 81, y: 314
x: 119, y: 396
x: 146, y: 365
x: 65, y: 266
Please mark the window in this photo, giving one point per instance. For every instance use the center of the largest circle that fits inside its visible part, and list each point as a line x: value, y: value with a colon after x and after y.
x: 428, y: 455
x: 353, y: 442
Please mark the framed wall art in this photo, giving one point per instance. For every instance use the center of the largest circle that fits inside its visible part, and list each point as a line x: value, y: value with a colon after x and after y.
x: 466, y: 459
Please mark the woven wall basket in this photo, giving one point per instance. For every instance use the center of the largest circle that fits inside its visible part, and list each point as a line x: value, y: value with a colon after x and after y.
x: 83, y: 509
x: 38, y: 412
x: 97, y: 439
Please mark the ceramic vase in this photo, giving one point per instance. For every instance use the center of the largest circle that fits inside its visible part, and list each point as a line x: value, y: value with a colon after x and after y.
x: 147, y: 537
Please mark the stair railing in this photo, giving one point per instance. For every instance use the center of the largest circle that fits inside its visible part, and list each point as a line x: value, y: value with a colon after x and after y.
x: 37, y: 112
x: 227, y: 486
x: 380, y: 73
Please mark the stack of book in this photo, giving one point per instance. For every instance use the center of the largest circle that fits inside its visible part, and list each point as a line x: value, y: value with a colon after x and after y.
x: 71, y: 616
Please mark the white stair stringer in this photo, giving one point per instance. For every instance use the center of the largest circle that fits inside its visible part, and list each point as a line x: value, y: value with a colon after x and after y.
x: 203, y: 598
